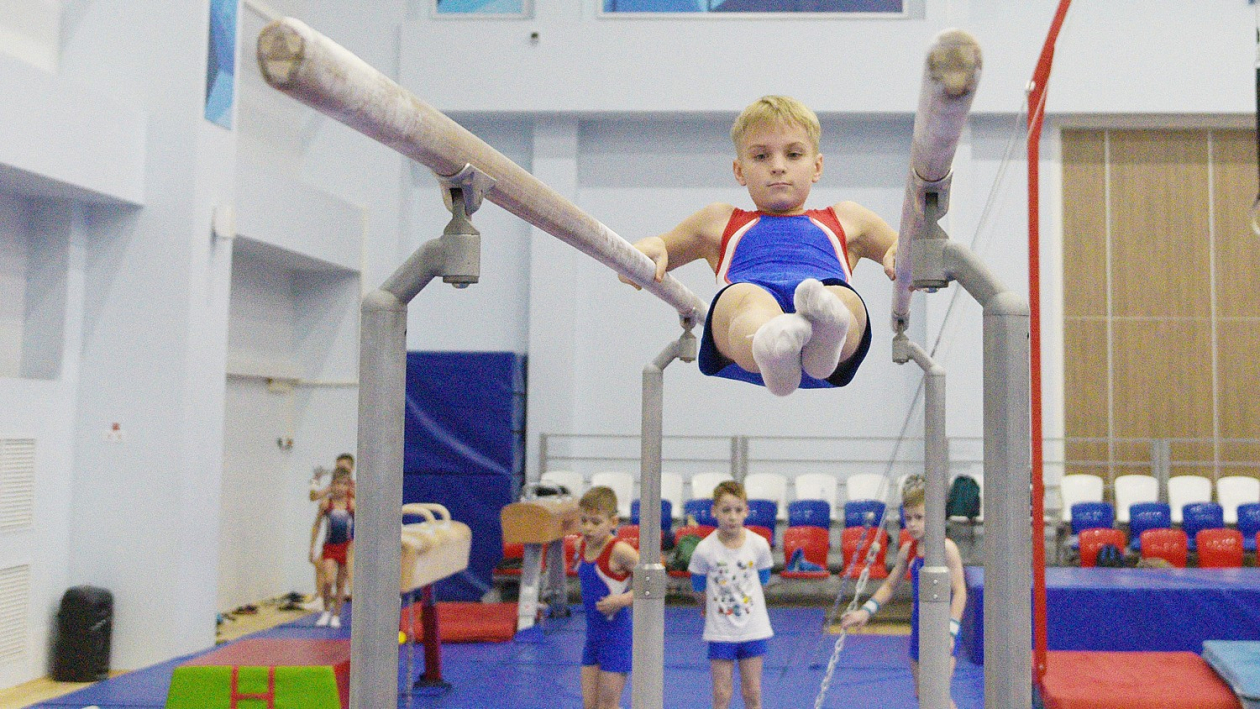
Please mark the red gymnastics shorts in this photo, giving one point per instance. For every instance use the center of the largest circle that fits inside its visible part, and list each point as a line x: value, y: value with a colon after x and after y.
x: 336, y: 552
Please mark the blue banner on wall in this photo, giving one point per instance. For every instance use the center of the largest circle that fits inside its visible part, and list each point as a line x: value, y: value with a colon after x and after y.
x: 221, y: 62
x: 464, y: 447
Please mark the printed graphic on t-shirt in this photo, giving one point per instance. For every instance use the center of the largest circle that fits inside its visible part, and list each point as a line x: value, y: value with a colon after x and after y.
x: 732, y: 584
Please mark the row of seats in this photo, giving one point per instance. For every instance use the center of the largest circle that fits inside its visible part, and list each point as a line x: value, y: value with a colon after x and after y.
x: 1217, y: 547
x: 808, y: 544
x: 1230, y: 492
x: 759, y: 486
x: 1193, y: 517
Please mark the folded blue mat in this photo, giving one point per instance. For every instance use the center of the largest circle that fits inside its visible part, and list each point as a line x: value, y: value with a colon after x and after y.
x: 1238, y: 663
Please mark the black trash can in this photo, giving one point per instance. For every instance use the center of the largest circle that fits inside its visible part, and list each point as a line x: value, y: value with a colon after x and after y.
x: 85, y: 622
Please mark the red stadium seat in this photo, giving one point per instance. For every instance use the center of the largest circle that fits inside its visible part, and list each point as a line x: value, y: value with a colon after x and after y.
x: 629, y: 533
x: 765, y: 532
x: 1094, y: 539
x: 1171, y: 545
x: 815, y: 543
x: 854, y: 544
x: 513, y: 555
x: 1220, y: 548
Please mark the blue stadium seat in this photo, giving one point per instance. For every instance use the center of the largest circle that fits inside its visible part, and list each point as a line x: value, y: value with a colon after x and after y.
x: 762, y: 513
x: 701, y: 510
x: 858, y: 513
x: 667, y: 515
x: 1249, y: 523
x: 1147, y: 515
x: 1198, y: 516
x: 810, y: 513
x: 1090, y: 515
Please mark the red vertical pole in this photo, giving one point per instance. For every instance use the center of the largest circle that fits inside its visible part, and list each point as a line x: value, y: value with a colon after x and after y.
x: 1036, y: 113
x: 432, y: 642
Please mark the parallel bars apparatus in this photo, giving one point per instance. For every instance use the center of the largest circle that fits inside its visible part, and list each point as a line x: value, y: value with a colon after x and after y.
x: 314, y: 70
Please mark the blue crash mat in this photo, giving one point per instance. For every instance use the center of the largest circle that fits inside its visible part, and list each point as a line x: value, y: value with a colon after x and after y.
x: 1238, y: 663
x: 1164, y: 610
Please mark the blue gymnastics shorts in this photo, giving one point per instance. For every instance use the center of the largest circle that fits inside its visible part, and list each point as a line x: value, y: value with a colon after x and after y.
x: 738, y: 651
x: 610, y: 653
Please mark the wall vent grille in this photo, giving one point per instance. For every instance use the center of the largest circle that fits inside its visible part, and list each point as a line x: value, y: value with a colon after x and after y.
x: 15, y: 591
x: 17, y: 483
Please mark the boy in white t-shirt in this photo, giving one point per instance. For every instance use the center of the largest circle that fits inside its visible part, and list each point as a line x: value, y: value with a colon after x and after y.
x: 728, y: 569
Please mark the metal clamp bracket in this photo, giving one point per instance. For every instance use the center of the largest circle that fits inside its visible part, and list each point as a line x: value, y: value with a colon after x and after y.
x: 473, y: 185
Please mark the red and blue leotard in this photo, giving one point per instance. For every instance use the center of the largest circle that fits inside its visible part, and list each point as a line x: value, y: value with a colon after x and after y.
x: 608, y: 639
x: 776, y: 253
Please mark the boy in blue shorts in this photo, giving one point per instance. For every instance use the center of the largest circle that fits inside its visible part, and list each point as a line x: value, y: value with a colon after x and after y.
x: 728, y: 568
x: 604, y: 568
x: 787, y: 315
x: 910, y: 556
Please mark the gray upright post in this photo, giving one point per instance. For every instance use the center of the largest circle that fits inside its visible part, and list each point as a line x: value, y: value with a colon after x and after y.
x: 382, y: 383
x: 382, y: 403
x: 1008, y: 481
x: 934, y: 581
x: 647, y: 680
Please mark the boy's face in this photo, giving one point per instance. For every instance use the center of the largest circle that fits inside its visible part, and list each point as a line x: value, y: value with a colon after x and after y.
x: 778, y: 164
x: 730, y: 512
x: 916, y: 520
x: 596, y: 526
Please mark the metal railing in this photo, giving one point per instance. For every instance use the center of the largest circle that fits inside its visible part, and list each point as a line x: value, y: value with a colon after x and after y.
x: 843, y: 456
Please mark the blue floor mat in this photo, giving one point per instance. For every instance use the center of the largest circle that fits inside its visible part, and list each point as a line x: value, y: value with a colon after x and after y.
x: 873, y: 671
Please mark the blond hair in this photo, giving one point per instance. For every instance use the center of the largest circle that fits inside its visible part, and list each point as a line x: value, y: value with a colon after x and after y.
x: 600, y: 499
x: 776, y: 110
x: 913, y: 491
x: 729, y: 487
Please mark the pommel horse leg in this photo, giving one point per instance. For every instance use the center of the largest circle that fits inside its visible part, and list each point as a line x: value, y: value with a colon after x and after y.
x: 541, y: 525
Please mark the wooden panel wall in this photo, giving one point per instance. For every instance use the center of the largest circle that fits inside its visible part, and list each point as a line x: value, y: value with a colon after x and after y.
x: 1153, y: 219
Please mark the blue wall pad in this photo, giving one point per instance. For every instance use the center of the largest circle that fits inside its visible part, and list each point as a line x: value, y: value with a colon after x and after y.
x: 1238, y: 663
x: 1157, y: 610
x: 464, y: 447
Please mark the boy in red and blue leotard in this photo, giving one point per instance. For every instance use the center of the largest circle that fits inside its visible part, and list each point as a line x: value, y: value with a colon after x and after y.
x: 786, y: 316
x: 910, y: 558
x: 604, y: 568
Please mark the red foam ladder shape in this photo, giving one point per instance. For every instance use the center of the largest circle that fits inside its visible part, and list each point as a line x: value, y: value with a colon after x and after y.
x: 269, y: 696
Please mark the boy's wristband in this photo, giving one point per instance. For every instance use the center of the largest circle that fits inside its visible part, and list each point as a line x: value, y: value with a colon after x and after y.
x: 871, y: 606
x: 955, y: 627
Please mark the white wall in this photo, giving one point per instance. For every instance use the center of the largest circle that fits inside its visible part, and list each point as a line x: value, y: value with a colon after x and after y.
x: 115, y: 174
x: 1126, y: 56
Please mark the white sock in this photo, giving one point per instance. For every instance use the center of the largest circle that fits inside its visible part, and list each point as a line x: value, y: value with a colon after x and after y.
x: 830, y: 322
x: 776, y: 348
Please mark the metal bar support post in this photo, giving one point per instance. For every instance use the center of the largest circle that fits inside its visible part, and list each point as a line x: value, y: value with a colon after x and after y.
x: 934, y: 581
x: 647, y: 680
x: 455, y: 257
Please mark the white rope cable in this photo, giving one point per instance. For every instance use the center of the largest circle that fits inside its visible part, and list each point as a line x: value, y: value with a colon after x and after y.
x: 945, y: 329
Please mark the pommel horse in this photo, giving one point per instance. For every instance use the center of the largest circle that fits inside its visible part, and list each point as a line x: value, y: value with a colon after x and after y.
x: 541, y: 525
x: 432, y: 550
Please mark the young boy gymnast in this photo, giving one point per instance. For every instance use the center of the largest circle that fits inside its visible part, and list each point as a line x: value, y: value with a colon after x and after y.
x: 910, y: 556
x: 728, y: 569
x: 604, y: 568
x: 787, y: 315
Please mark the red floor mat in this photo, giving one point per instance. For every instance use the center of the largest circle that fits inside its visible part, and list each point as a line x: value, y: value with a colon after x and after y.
x: 466, y: 622
x: 1129, y: 680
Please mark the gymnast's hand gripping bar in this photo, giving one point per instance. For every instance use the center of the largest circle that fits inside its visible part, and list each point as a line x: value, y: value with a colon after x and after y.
x: 950, y: 76
x: 313, y: 69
